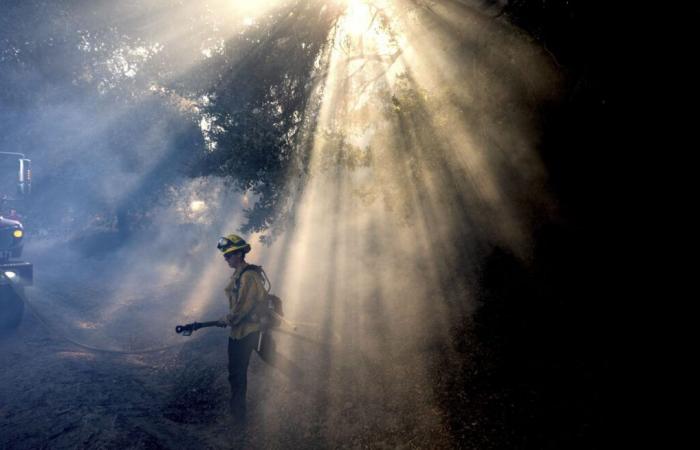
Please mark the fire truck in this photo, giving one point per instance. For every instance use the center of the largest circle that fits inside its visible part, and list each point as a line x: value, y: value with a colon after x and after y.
x: 15, y: 187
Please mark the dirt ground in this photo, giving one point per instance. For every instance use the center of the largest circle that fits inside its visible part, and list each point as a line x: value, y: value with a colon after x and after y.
x: 55, y: 394
x: 356, y: 386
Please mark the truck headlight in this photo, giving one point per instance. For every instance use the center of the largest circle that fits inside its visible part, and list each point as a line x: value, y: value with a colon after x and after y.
x: 18, y: 233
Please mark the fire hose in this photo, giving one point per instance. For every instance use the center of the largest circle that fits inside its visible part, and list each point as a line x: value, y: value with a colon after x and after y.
x: 66, y: 338
x: 186, y: 330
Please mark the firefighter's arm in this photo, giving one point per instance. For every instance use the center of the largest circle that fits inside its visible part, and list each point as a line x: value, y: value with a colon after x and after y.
x: 251, y: 294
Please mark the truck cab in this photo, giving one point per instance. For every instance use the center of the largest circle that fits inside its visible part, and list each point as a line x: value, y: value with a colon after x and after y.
x: 15, y: 186
x: 11, y: 238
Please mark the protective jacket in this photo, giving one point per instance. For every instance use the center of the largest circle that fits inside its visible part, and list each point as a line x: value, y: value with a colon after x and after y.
x: 246, y: 295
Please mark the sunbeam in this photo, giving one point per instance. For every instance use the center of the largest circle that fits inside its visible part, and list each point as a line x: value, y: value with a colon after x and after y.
x: 374, y: 154
x: 409, y: 175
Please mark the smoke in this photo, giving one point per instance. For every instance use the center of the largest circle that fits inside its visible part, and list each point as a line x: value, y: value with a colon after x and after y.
x: 121, y: 236
x: 422, y: 156
x: 110, y: 103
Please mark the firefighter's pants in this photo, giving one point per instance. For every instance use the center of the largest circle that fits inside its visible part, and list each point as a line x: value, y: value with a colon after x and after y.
x: 239, y: 351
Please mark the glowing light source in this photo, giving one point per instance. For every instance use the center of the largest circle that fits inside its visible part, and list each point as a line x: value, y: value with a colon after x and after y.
x: 18, y: 233
x: 357, y: 17
x: 197, y: 206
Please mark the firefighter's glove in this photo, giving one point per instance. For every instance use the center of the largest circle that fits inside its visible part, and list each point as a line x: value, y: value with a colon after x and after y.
x: 225, y: 321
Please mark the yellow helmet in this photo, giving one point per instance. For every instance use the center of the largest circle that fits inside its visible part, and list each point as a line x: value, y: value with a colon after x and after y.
x: 232, y: 243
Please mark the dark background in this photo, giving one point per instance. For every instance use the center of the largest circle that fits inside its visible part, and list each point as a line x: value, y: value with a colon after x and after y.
x: 561, y: 355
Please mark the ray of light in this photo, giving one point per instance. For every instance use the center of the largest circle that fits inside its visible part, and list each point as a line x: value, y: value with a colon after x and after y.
x: 403, y: 183
x: 412, y: 165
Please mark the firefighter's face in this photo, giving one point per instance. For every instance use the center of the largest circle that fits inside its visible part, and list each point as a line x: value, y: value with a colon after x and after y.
x: 234, y: 259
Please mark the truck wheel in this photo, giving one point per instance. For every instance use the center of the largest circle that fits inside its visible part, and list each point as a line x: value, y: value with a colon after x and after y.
x: 11, y: 308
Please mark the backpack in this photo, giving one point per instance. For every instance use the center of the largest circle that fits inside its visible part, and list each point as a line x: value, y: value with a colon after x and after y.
x: 271, y: 311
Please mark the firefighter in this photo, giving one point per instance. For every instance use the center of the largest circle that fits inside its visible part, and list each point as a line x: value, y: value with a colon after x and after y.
x: 246, y: 294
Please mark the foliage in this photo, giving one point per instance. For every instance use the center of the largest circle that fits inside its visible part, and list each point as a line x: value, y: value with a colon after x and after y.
x: 242, y: 101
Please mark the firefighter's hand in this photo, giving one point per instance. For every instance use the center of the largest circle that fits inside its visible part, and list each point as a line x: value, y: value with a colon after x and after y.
x: 222, y: 324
